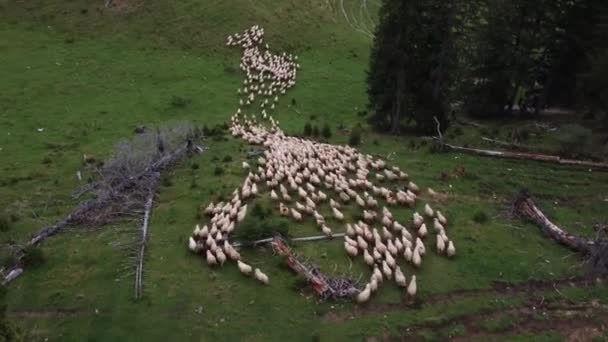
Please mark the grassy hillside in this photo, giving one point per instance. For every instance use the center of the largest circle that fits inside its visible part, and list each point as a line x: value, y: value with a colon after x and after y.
x: 88, y: 76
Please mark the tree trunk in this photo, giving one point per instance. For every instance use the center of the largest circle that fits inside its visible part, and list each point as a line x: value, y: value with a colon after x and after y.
x: 525, y: 208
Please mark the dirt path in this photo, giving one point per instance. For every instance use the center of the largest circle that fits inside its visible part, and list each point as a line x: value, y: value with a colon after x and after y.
x: 497, y: 290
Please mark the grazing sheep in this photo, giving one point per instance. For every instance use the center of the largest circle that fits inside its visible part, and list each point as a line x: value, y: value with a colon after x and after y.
x: 350, y: 250
x: 361, y: 243
x: 364, y: 295
x: 296, y: 215
x: 368, y: 258
x: 192, y: 244
x: 408, y: 254
x: 422, y: 231
x: 326, y: 230
x: 437, y: 226
x: 418, y: 220
x: 411, y: 289
x: 337, y: 214
x: 428, y: 211
x: 416, y: 259
x: 388, y: 272
x: 211, y: 260
x: 451, y: 249
x: 244, y: 268
x: 400, y: 277
x: 440, y: 245
x: 441, y: 218
x: 260, y: 276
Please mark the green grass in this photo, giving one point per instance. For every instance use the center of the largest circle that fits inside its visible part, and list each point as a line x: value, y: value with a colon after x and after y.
x: 90, y: 78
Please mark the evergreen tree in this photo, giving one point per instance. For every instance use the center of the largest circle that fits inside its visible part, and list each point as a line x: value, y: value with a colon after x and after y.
x: 410, y: 64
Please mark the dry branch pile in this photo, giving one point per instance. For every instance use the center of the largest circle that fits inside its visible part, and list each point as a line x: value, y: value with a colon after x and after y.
x: 125, y: 183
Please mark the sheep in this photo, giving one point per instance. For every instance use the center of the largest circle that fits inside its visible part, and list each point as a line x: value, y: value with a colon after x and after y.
x: 310, y: 203
x: 389, y: 259
x: 428, y: 211
x: 391, y: 247
x: 361, y: 242
x: 377, y: 274
x: 408, y: 253
x: 350, y: 250
x: 273, y: 195
x: 411, y: 289
x: 211, y: 260
x: 399, y: 245
x: 244, y: 268
x: 388, y: 272
x: 296, y: 215
x: 360, y: 201
x: 344, y: 197
x: 406, y: 235
x: 334, y: 204
x: 431, y: 192
x: 416, y: 259
x: 368, y: 258
x: 376, y: 254
x: 260, y: 276
x: 420, y: 246
x: 387, y: 221
x: 373, y: 284
x: 380, y: 246
x: 441, y: 218
x: 192, y: 244
x: 326, y: 230
x: 400, y: 277
x: 422, y: 231
x: 437, y: 226
x: 337, y: 214
x: 386, y: 234
x: 246, y: 165
x: 350, y: 231
x: 451, y: 251
x: 242, y: 213
x: 413, y: 187
x: 364, y: 295
x: 322, y: 196
x: 369, y: 215
x: 440, y: 245
x: 397, y: 226
x: 220, y: 256
x: 418, y: 220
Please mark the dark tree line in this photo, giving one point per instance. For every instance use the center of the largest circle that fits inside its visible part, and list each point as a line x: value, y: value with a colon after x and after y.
x: 486, y: 58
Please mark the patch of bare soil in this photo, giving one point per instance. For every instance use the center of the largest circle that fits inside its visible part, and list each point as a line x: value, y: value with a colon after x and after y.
x: 497, y: 290
x: 46, y: 313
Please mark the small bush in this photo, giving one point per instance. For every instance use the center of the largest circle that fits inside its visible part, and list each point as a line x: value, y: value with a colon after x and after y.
x: 574, y: 140
x: 307, y: 130
x: 218, y: 171
x: 313, y: 117
x: 480, y: 217
x: 355, y: 137
x: 194, y: 166
x: 326, y: 131
x: 180, y: 102
x: 227, y: 158
x: 260, y: 212
x: 206, y: 131
x: 33, y: 257
x: 315, y: 131
x: 293, y: 101
x: 47, y: 160
x: 457, y: 131
x: 5, y: 224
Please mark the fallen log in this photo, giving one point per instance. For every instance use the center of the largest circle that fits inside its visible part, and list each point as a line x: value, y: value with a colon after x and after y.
x: 595, y: 251
x: 142, y: 248
x: 525, y: 156
x: 525, y: 208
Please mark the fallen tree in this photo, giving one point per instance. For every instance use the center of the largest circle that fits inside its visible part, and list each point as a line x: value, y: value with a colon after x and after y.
x: 595, y: 251
x: 124, y: 188
x: 325, y: 287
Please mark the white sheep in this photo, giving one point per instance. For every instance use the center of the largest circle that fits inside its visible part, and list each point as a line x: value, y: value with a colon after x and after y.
x: 244, y: 268
x: 211, y: 260
x: 428, y: 211
x: 451, y: 249
x: 440, y: 245
x: 422, y: 231
x: 350, y: 250
x: 364, y: 295
x: 260, y: 276
x: 411, y: 289
x: 400, y: 277
x: 337, y: 214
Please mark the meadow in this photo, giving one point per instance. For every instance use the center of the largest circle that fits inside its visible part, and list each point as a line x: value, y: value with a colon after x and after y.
x: 77, y: 78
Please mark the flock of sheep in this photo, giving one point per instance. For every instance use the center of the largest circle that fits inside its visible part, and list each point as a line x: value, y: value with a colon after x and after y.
x: 303, y: 176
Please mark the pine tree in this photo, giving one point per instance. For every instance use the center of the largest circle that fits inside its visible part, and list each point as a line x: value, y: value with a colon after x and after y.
x: 411, y: 59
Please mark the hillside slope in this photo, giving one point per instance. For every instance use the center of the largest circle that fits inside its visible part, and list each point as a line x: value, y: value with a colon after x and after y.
x: 77, y: 78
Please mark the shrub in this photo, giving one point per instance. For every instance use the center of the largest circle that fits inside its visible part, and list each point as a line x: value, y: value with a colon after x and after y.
x: 218, y: 171
x: 457, y: 131
x: 307, y: 130
x: 179, y: 102
x: 315, y: 131
x: 574, y: 140
x: 326, y: 131
x: 227, y: 158
x: 293, y: 101
x: 166, y: 181
x: 194, y: 166
x: 260, y: 212
x: 355, y: 137
x: 480, y: 217
x: 5, y: 224
x: 33, y: 257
